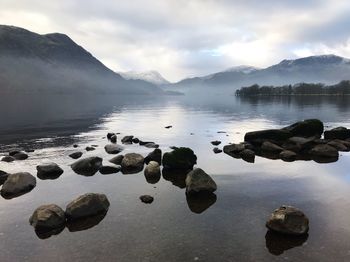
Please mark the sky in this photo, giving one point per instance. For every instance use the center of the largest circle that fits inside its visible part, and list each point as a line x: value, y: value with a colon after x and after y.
x: 186, y: 38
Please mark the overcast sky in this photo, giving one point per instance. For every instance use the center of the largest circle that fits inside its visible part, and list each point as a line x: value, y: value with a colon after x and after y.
x: 181, y: 38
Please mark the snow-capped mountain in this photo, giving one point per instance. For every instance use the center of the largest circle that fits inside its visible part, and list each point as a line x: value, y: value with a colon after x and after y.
x: 242, y: 69
x: 151, y: 76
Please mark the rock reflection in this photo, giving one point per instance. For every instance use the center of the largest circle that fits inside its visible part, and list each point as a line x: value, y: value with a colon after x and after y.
x: 45, y: 234
x: 85, y: 223
x: 176, y: 176
x: 278, y: 243
x: 153, y: 178
x: 198, y: 203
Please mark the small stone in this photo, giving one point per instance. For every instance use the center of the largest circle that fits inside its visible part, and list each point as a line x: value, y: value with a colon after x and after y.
x: 89, y: 148
x: 127, y: 139
x: 215, y: 143
x: 146, y: 199
x: 76, y: 155
x: 217, y: 150
x: 49, y: 171
x: 8, y: 159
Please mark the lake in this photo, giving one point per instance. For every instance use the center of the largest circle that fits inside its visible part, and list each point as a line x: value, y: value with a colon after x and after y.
x: 230, y: 227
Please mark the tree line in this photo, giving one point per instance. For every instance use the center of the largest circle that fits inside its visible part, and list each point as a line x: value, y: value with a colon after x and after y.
x: 342, y: 88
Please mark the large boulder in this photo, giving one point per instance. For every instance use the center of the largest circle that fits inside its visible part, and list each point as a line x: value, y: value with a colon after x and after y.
x: 288, y: 220
x: 152, y: 172
x: 113, y: 149
x: 132, y: 163
x: 257, y: 137
x: 86, y: 205
x: 324, y: 150
x: 17, y: 184
x: 49, y: 171
x: 234, y: 149
x: 271, y: 147
x: 180, y: 158
x: 197, y: 181
x: 48, y: 217
x: 155, y: 155
x: 87, y: 166
x: 337, y: 133
x: 306, y: 128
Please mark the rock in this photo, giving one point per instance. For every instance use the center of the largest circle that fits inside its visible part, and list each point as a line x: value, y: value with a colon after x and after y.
x: 29, y: 150
x: 248, y: 155
x: 215, y: 143
x: 87, y: 205
x: 151, y: 145
x: 76, y: 155
x: 109, y: 135
x: 113, y: 139
x: 324, y: 150
x: 75, y: 146
x: 127, y: 139
x: 277, y: 243
x: 17, y: 184
x: 217, y: 150
x: 87, y: 166
x: 142, y: 143
x: 146, y: 199
x: 270, y: 134
x: 168, y: 127
x: 152, y: 170
x: 180, y: 158
x: 176, y: 176
x: 306, y: 128
x: 106, y: 170
x: 337, y: 133
x: 48, y: 217
x: 8, y: 159
x: 113, y: 149
x: 297, y: 144
x: 20, y: 156
x: 3, y: 177
x: 338, y: 145
x: 155, y: 155
x: 49, y: 171
x: 288, y: 220
x: 233, y: 149
x: 288, y: 156
x: 136, y: 140
x: 14, y: 151
x: 197, y: 181
x: 132, y: 163
x: 271, y: 147
x: 85, y: 222
x: 89, y: 148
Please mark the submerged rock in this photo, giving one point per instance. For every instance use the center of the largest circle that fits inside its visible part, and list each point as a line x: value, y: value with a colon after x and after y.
x: 147, y: 199
x: 87, y: 166
x: 306, y: 128
x: 155, y: 155
x: 76, y: 155
x: 8, y: 159
x: 113, y: 149
x: 86, y: 205
x: 20, y: 156
x: 132, y: 163
x: 49, y: 171
x: 17, y: 184
x: 180, y: 158
x: 197, y: 181
x: 48, y: 217
x: 106, y: 170
x: 288, y: 220
x: 90, y: 148
x: 117, y: 160
x: 216, y: 142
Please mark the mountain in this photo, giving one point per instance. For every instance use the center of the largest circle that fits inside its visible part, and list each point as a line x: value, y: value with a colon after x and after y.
x: 328, y: 69
x: 151, y: 76
x: 54, y: 63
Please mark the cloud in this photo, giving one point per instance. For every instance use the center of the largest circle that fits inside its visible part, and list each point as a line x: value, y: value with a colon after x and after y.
x: 189, y: 37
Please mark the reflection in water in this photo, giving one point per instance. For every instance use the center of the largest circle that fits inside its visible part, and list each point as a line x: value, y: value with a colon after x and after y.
x: 198, y: 203
x: 85, y: 223
x: 278, y: 243
x: 176, y: 176
x: 152, y: 178
x: 44, y: 234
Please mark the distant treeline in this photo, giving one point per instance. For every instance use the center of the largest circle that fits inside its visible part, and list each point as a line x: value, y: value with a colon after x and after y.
x: 342, y: 88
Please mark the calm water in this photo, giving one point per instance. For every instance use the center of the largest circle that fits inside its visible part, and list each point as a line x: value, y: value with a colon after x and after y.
x: 173, y: 228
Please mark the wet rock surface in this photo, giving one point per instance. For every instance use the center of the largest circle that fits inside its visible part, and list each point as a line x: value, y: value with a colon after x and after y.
x: 87, y: 166
x: 132, y: 163
x: 155, y: 155
x: 113, y: 149
x: 17, y: 184
x: 47, y: 217
x: 75, y: 155
x: 288, y: 220
x: 107, y: 170
x: 49, y: 171
x: 180, y: 158
x: 197, y: 181
x: 147, y: 199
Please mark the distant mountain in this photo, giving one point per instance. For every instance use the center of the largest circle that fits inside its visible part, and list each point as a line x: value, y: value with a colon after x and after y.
x: 54, y: 63
x: 328, y: 69
x: 151, y: 76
